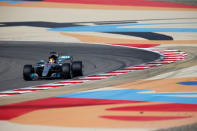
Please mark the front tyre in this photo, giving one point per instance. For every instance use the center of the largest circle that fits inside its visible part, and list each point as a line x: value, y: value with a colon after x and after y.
x: 28, y: 70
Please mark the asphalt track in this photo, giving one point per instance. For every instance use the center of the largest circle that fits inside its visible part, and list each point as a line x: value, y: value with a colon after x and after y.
x: 96, y: 59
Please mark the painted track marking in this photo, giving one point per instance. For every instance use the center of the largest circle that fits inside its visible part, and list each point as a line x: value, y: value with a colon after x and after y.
x: 169, y: 56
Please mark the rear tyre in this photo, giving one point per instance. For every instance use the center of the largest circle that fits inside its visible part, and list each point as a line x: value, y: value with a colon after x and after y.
x: 77, y: 68
x: 28, y: 70
x: 66, y: 71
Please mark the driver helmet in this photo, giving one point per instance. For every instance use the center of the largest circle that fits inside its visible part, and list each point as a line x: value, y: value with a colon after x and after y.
x: 51, y: 60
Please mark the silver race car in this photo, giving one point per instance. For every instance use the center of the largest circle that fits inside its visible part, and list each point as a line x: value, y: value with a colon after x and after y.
x: 58, y: 67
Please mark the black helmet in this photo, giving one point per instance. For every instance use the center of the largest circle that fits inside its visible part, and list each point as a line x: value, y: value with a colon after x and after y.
x: 54, y: 56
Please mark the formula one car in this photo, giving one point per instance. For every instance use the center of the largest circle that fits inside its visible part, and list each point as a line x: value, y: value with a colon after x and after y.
x: 58, y: 67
